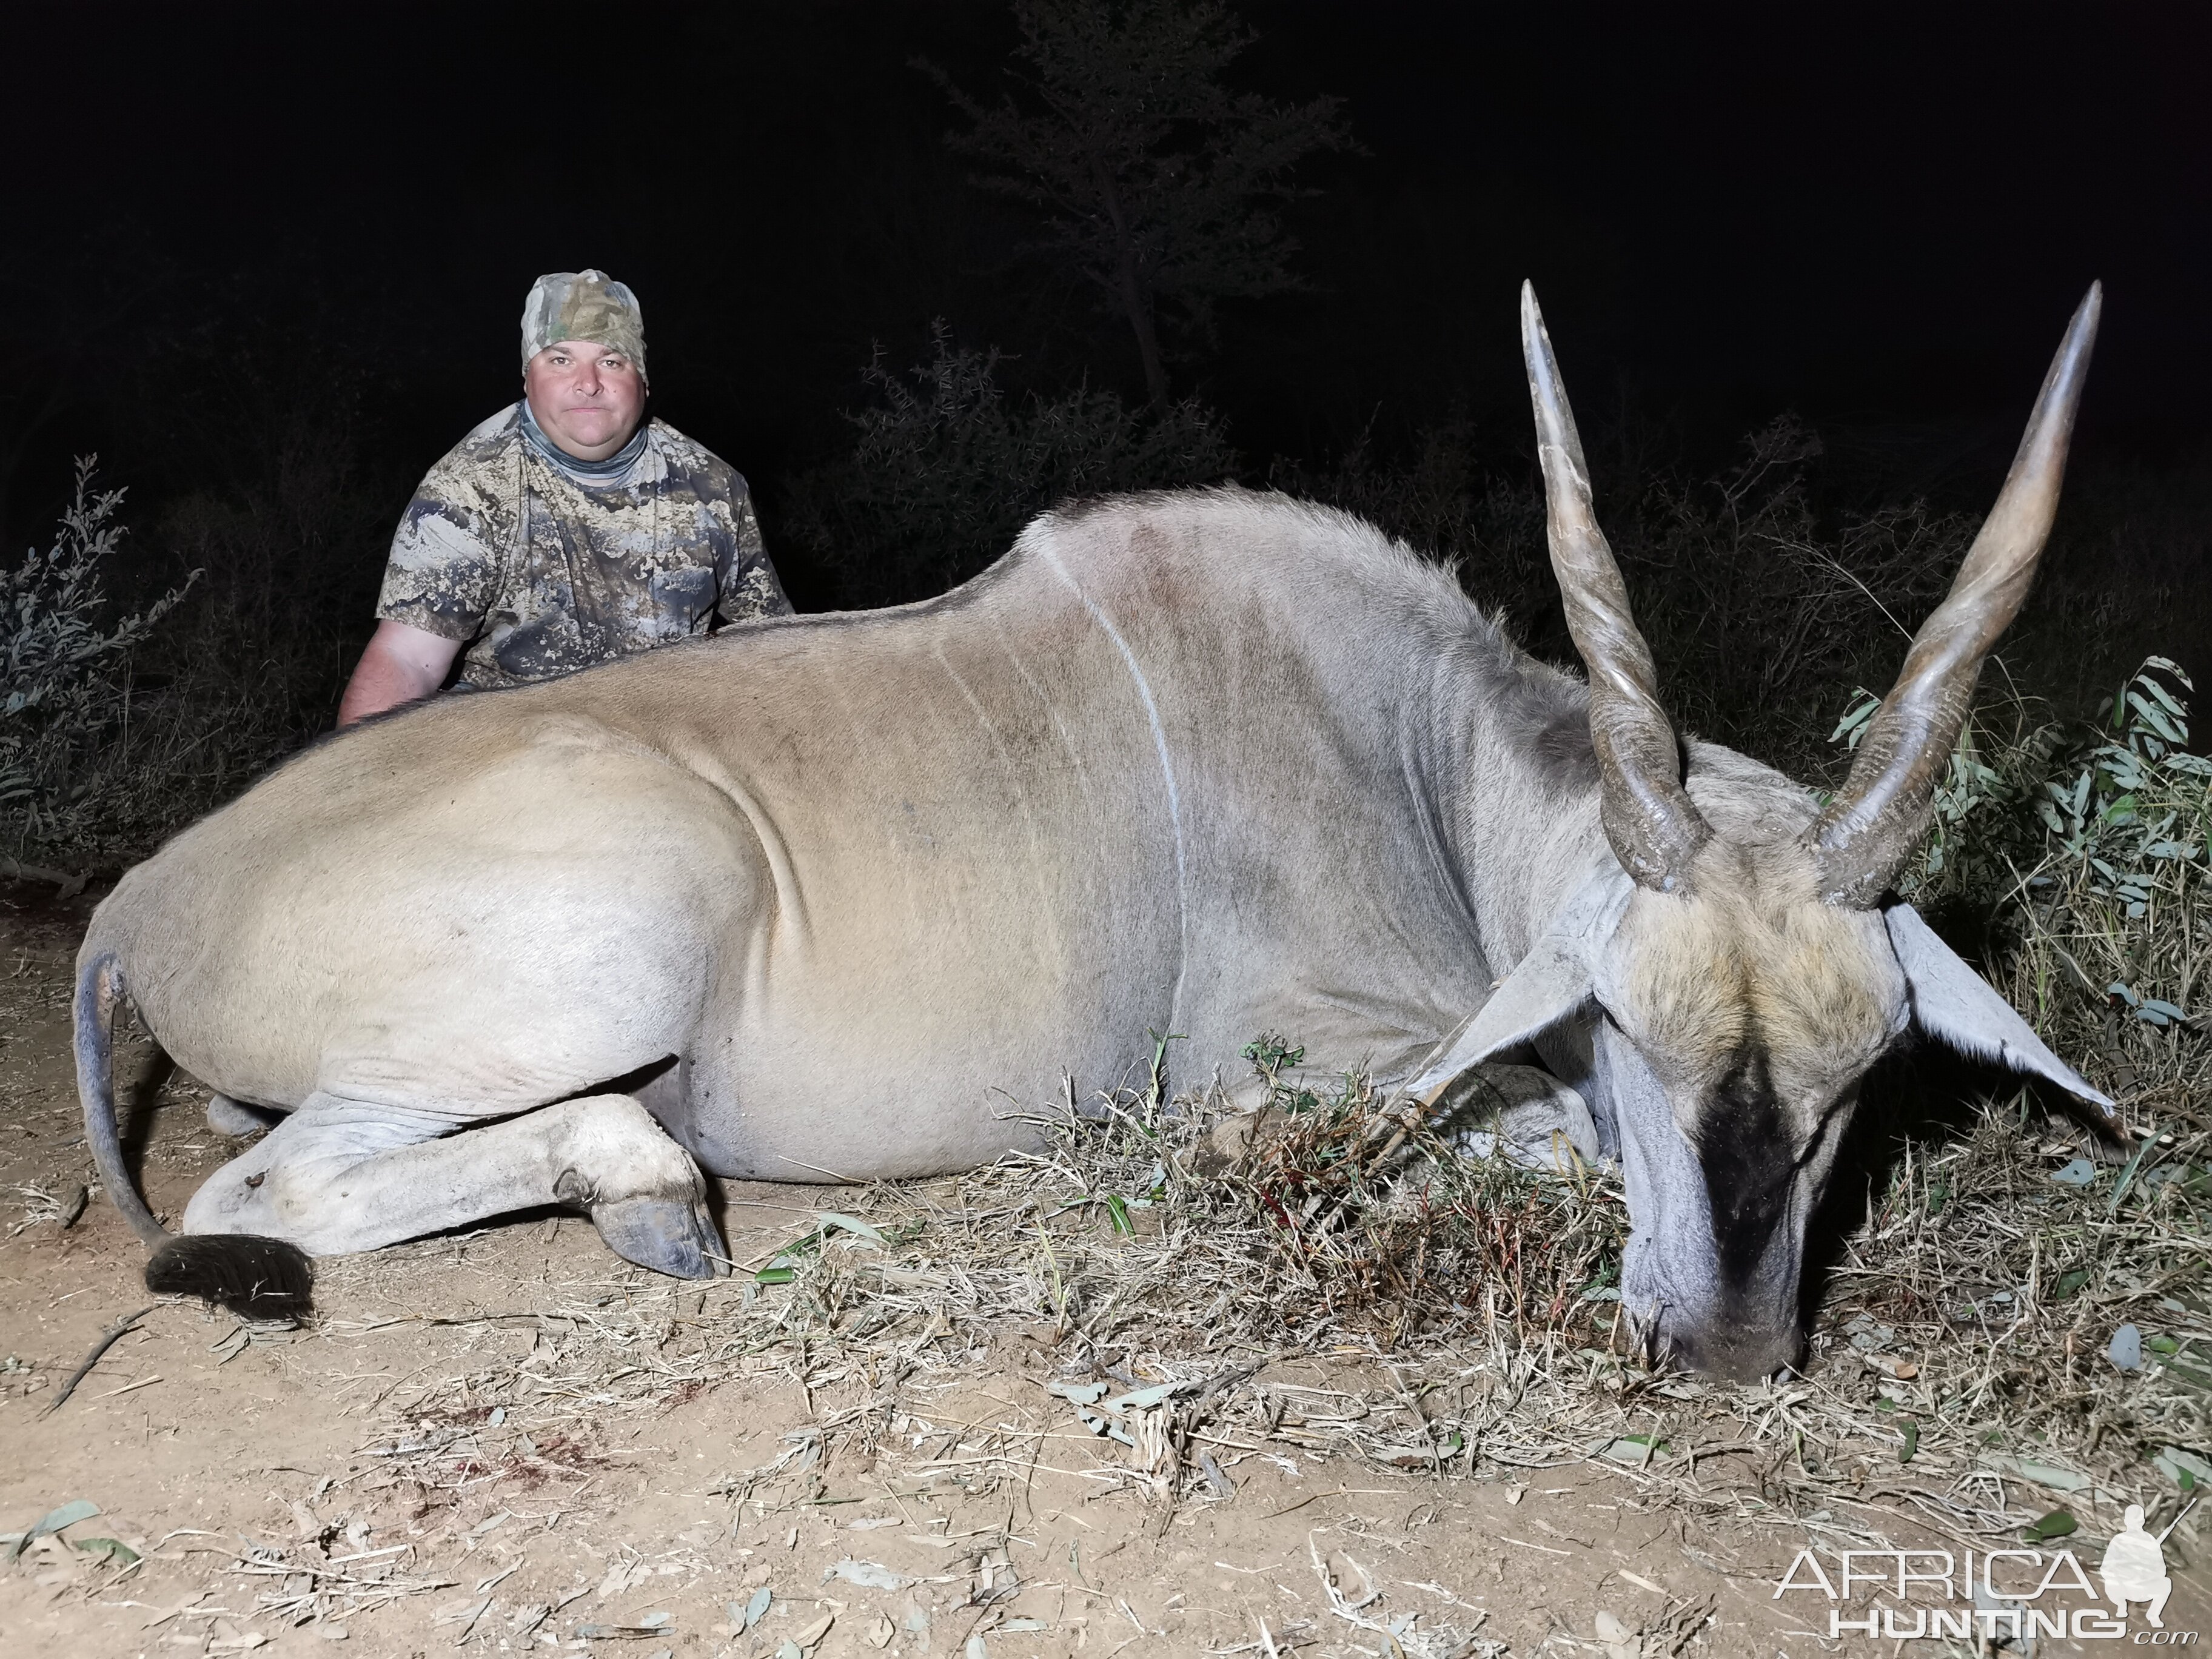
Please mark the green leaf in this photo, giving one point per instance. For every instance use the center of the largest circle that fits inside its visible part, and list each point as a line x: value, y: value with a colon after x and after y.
x: 779, y: 1269
x: 2127, y: 1174
x: 54, y: 1521
x: 2043, y: 1474
x: 1911, y: 1433
x: 2167, y: 665
x: 1637, y: 1450
x: 2164, y: 699
x: 744, y: 1618
x: 1142, y: 1400
x: 1853, y: 724
x: 852, y: 1225
x: 2155, y: 717
x: 2056, y: 1524
x: 2185, y: 1468
x: 113, y: 1548
x: 1117, y: 1213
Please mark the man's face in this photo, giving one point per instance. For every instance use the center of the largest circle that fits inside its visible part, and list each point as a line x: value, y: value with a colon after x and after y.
x: 586, y: 397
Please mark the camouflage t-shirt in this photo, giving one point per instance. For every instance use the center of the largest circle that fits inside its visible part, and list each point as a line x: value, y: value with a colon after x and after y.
x: 542, y: 567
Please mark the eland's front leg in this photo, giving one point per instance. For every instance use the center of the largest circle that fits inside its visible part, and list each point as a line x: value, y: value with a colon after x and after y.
x: 340, y: 1175
x: 234, y: 1120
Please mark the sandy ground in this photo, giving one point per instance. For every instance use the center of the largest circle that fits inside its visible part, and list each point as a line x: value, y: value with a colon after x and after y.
x: 387, y: 1476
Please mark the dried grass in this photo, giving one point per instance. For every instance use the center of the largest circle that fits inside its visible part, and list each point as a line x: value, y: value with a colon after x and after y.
x: 1194, y: 1311
x: 1473, y: 1331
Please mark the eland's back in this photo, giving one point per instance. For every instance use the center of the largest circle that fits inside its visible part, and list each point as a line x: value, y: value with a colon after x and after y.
x: 877, y: 879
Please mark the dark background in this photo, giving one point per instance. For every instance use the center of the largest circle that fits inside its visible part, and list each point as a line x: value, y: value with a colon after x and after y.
x: 235, y: 234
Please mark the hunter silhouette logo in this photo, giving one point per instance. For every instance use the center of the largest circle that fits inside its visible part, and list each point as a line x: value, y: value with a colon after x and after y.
x: 2134, y: 1569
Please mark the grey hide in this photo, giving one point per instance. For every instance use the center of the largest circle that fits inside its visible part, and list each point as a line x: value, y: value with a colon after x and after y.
x: 861, y: 887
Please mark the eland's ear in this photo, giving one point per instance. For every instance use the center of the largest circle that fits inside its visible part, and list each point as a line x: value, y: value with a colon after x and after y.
x: 1553, y: 982
x: 1954, y: 1004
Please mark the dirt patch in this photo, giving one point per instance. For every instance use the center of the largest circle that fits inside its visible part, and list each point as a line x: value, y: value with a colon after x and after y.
x: 510, y: 1441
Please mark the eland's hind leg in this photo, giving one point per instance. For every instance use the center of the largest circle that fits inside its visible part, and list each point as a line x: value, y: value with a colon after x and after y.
x: 342, y: 1175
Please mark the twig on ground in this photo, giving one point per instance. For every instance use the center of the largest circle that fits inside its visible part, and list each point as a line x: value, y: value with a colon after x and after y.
x: 115, y: 1333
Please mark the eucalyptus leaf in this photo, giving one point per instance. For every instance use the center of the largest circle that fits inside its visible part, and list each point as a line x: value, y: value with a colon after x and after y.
x: 2125, y: 1349
x: 53, y: 1521
x: 853, y: 1224
x: 1142, y: 1398
x: 744, y: 1615
x: 2043, y: 1474
x: 2184, y: 1467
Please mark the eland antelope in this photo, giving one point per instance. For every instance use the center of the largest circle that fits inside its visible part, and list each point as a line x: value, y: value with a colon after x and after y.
x: 813, y: 899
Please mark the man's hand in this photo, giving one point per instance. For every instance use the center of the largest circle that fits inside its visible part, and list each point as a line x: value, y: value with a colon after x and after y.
x: 401, y: 665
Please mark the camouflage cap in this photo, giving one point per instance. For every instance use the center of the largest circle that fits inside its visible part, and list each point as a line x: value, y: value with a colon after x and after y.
x: 583, y: 305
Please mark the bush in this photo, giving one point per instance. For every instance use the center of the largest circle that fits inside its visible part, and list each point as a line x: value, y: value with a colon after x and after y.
x: 1758, y: 615
x: 1755, y: 611
x: 67, y: 658
x: 116, y: 733
x: 253, y: 668
x: 947, y: 470
x: 2078, y: 850
x: 1440, y: 499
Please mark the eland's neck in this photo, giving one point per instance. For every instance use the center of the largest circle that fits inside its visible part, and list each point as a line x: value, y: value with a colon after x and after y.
x: 1516, y: 785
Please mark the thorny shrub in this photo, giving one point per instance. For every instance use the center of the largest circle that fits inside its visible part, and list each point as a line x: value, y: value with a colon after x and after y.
x: 64, y: 670
x: 118, y: 726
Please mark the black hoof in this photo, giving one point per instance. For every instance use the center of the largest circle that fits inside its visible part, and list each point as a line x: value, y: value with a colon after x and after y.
x: 255, y: 1278
x: 670, y: 1235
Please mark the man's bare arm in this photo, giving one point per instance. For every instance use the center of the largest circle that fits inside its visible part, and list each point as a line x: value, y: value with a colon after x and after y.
x: 401, y: 665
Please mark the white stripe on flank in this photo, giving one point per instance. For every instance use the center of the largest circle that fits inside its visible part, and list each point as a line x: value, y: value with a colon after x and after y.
x: 1167, y: 771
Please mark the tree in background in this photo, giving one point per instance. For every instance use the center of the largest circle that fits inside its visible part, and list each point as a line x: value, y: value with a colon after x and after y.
x: 1156, y: 182
x: 948, y: 469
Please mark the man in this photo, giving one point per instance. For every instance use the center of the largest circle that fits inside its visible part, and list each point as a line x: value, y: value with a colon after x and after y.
x: 566, y: 529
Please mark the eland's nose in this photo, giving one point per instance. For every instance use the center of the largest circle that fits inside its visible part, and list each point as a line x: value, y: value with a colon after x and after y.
x: 1740, y: 1355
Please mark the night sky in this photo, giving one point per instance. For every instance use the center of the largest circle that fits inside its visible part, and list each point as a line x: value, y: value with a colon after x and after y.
x: 1875, y: 216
